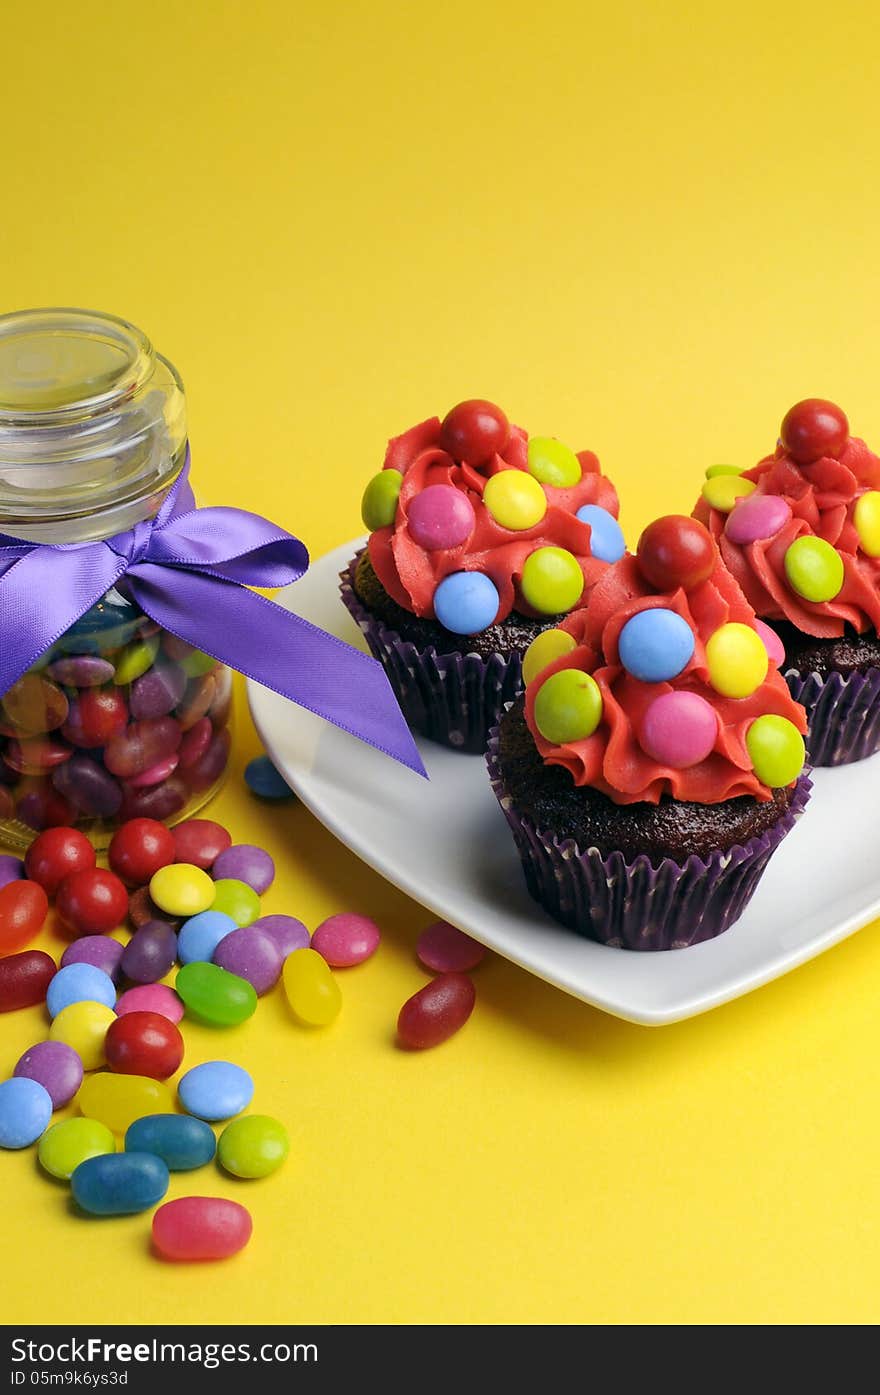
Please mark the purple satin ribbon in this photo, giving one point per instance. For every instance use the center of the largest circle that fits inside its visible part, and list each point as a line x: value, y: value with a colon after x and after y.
x: 187, y: 569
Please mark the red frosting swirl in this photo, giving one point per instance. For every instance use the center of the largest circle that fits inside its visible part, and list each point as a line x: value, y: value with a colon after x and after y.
x: 611, y: 760
x: 411, y: 573
x: 822, y: 497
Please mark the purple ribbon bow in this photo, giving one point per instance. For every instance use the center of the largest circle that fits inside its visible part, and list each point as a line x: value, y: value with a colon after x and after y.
x: 187, y: 570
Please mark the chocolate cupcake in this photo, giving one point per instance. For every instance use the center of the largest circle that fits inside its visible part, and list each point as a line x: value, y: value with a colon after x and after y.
x: 480, y: 539
x: 801, y: 534
x: 656, y: 760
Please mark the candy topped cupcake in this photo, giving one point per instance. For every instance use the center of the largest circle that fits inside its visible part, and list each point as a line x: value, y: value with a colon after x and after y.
x: 480, y: 538
x: 656, y: 760
x: 801, y: 534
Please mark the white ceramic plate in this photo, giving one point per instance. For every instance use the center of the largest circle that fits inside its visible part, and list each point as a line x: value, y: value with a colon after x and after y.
x: 446, y: 844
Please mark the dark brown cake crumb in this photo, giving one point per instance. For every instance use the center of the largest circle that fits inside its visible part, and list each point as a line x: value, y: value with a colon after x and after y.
x: 851, y: 653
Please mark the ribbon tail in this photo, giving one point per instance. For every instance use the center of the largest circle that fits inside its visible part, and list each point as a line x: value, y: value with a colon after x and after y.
x: 280, y: 650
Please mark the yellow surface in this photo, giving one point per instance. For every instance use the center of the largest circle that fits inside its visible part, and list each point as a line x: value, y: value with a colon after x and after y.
x: 647, y: 229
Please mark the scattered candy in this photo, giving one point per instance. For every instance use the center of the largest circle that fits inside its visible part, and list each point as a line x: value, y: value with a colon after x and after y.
x: 214, y: 995
x: 311, y: 989
x: 287, y: 932
x: 544, y: 650
x: 143, y: 1043
x: 553, y: 463
x: 151, y: 997
x: 79, y: 983
x: 436, y: 1012
x: 466, y: 602
x: 723, y: 491
x: 474, y: 431
x: 379, y: 502
x: 23, y: 909
x: 102, y: 951
x: 245, y: 863
x: 253, y: 1146
x: 54, y: 854
x: 252, y: 955
x: 757, y: 517
x: 200, y: 936
x: 514, y: 499
x: 215, y: 1090
x: 25, y: 1111
x: 813, y: 428
x: 117, y: 1100
x: 84, y: 1027
x: 679, y: 729
x: 606, y: 535
x: 346, y: 939
x: 656, y: 645
x: 11, y: 869
x: 67, y: 1144
x: 140, y: 849
x: 441, y: 516
x: 866, y: 517
x: 119, y: 1184
x: 183, y: 889
x: 676, y: 551
x: 201, y: 1228
x: 814, y: 568
x: 55, y: 1066
x: 92, y: 902
x: 552, y: 580
x: 24, y: 979
x: 150, y: 953
x: 737, y: 660
x: 262, y: 778
x: 236, y: 899
x: 777, y: 750
x: 142, y: 909
x: 568, y: 706
x: 445, y: 949
x: 180, y: 1140
x: 772, y: 643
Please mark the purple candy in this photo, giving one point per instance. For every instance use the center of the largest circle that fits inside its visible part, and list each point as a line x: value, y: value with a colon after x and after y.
x: 756, y: 517
x: 82, y: 671
x: 150, y: 952
x: 157, y: 691
x: 88, y: 786
x: 287, y: 932
x: 100, y: 950
x: 246, y: 863
x: 55, y: 1066
x: 11, y: 869
x: 252, y: 954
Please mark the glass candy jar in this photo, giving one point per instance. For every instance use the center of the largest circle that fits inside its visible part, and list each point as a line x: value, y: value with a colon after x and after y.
x: 119, y: 718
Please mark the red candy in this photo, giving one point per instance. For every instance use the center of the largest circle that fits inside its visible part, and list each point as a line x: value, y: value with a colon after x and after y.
x: 24, y: 978
x: 23, y: 909
x: 55, y: 854
x: 142, y: 908
x: 436, y: 1012
x: 444, y: 948
x: 813, y: 428
x: 44, y: 808
x: 676, y: 551
x: 200, y: 842
x: 139, y: 849
x: 474, y: 431
x: 141, y: 745
x: 201, y: 1227
x: 143, y: 1043
x: 92, y: 902
x: 95, y: 717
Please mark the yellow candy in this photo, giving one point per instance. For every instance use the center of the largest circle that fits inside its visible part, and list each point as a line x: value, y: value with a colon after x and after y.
x: 117, y: 1100
x: 544, y: 651
x: 722, y: 491
x: 84, y: 1027
x: 713, y: 471
x: 64, y: 1146
x: 737, y: 660
x: 515, y: 500
x: 866, y: 517
x: 182, y: 889
x: 311, y: 989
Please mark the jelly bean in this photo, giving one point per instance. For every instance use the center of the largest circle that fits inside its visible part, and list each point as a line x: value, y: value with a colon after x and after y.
x: 736, y: 659
x: 55, y: 1066
x: 251, y: 955
x: 83, y: 1026
x: 197, y: 701
x: 157, y: 692
x: 183, y: 889
x: 142, y: 909
x: 55, y: 854
x: 158, y: 802
x: 200, y: 842
x: 25, y: 1111
x: 757, y: 517
x: 656, y: 645
x: 552, y: 580
x: 543, y: 651
x: 24, y: 978
x: 79, y: 983
x: 346, y: 939
x: 466, y: 602
x: 11, y: 869
x: 150, y: 952
x: 92, y: 902
x: 287, y: 932
x: 814, y: 569
x: 474, y: 431
x: 141, y: 745
x: 676, y: 551
x: 445, y: 949
x: 95, y: 717
x: 777, y: 750
x: 34, y: 705
x: 119, y: 1184
x: 200, y: 936
x: 117, y: 1100
x: 813, y: 428
x: 439, y: 517
x: 772, y: 643
x: 151, y: 997
x: 515, y: 500
x: 195, y: 743
x: 553, y: 463
x: 143, y: 1043
x: 245, y: 863
x: 379, y: 502
x: 100, y: 950
x: 723, y: 491
x: 135, y: 660
x: 606, y: 535
x: 866, y: 517
x: 180, y: 1140
x: 81, y: 671
x: 215, y: 1090
x: 236, y: 899
x: 253, y: 1146
x: 23, y: 909
x: 139, y: 849
x: 436, y: 1012
x: 36, y: 755
x: 200, y: 1228
x: 568, y: 706
x: 311, y: 989
x: 262, y: 778
x: 44, y: 808
x: 88, y: 787
x: 714, y: 470
x: 214, y: 995
x: 67, y: 1144
x: 679, y: 729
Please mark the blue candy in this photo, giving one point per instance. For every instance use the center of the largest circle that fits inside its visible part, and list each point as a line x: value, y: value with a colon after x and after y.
x: 110, y: 623
x: 263, y: 779
x: 25, y: 1111
x: 119, y: 1184
x: 606, y: 534
x: 179, y: 1140
x: 215, y: 1090
x: 199, y: 937
x: 466, y: 602
x: 79, y: 983
x: 655, y: 645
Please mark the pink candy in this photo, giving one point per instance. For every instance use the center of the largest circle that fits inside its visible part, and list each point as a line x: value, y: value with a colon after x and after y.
x: 772, y: 642
x: 679, y: 729
x: 346, y: 939
x: 446, y: 950
x: 440, y: 517
x: 155, y: 775
x: 756, y: 517
x: 151, y: 997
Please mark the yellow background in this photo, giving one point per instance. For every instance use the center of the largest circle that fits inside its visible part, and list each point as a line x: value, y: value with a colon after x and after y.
x: 647, y: 229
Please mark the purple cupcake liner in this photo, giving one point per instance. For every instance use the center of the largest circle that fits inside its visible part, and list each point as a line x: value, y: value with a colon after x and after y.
x: 637, y: 905
x: 455, y: 699
x: 843, y: 714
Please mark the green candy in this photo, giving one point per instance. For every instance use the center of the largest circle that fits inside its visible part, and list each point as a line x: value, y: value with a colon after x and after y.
x: 214, y: 995
x: 134, y: 661
x: 814, y: 569
x: 714, y: 471
x: 65, y: 1145
x: 236, y: 899
x: 777, y: 750
x: 379, y: 504
x: 553, y: 463
x: 253, y: 1146
x: 552, y: 580
x: 196, y: 663
x: 568, y: 706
